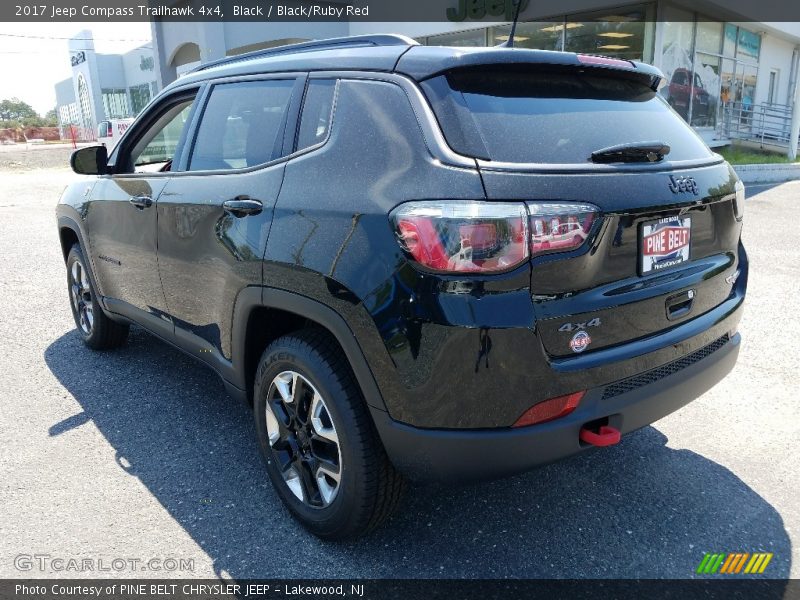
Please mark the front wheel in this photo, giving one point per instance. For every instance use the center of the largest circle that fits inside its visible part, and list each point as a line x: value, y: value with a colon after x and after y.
x: 96, y: 329
x: 323, y: 455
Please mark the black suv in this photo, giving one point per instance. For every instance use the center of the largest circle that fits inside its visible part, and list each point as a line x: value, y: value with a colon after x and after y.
x: 443, y: 263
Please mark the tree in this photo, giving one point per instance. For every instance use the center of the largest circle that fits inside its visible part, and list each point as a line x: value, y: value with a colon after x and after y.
x: 51, y: 118
x: 15, y: 109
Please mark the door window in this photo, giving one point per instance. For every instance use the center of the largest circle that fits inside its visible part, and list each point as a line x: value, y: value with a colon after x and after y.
x: 155, y: 149
x: 242, y: 125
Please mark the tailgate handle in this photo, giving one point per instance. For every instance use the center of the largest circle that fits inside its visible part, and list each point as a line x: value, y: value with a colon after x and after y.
x: 680, y: 305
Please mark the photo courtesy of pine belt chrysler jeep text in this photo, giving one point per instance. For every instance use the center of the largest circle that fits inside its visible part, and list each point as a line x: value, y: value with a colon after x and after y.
x: 446, y: 264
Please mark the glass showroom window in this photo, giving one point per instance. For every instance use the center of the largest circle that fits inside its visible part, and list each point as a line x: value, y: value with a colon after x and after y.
x: 711, y: 69
x: 677, y: 58
x: 624, y: 33
x: 748, y: 50
x: 706, y: 97
x: 547, y: 35
x: 474, y: 37
x: 140, y: 96
x: 115, y: 103
x: 726, y: 69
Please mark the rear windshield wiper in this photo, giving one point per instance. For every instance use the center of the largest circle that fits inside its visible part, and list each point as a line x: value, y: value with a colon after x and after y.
x: 634, y: 152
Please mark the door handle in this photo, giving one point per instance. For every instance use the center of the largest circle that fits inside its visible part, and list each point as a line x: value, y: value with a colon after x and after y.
x: 241, y: 206
x: 141, y: 202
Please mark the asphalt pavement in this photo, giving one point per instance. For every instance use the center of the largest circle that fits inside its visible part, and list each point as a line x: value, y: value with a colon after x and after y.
x: 139, y: 454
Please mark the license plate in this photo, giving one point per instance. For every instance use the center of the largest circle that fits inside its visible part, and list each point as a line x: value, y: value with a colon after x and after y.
x: 664, y: 243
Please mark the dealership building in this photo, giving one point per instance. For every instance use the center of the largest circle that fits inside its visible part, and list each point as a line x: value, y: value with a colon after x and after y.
x: 103, y: 86
x: 728, y: 75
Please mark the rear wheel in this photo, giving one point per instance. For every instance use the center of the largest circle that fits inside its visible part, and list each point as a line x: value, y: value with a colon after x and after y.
x: 323, y: 454
x: 96, y: 329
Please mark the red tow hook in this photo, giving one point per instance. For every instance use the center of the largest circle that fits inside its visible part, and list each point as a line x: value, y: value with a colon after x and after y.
x: 604, y: 436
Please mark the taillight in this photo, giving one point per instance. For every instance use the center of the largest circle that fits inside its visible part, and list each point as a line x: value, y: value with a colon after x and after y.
x: 551, y: 409
x: 459, y: 236
x: 738, y: 203
x: 560, y: 226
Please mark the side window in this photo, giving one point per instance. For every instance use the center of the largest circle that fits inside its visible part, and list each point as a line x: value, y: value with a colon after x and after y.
x: 242, y: 125
x: 155, y: 149
x: 317, y: 112
x: 698, y: 83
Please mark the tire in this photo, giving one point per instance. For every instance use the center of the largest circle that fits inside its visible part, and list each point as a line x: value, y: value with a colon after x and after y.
x: 308, y: 368
x: 95, y: 328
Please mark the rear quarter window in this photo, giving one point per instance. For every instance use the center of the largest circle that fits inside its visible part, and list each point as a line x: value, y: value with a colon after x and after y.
x: 317, y: 111
x: 529, y: 115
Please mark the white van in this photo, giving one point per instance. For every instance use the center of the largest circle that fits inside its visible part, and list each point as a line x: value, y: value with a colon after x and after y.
x: 109, y: 132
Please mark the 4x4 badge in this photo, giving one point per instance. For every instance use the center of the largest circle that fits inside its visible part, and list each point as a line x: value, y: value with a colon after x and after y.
x: 570, y: 327
x: 678, y: 185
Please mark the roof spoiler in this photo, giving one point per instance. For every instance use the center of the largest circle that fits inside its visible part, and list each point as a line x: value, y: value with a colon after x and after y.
x: 428, y: 61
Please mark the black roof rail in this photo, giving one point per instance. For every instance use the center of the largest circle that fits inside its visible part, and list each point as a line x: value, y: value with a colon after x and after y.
x: 389, y: 39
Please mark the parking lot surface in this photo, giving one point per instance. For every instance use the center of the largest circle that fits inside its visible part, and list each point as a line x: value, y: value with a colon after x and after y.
x: 139, y: 454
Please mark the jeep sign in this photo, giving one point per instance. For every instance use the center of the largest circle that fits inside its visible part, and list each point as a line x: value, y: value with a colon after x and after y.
x: 477, y: 10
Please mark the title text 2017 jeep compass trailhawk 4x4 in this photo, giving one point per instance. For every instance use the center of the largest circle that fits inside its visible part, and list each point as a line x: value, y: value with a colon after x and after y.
x: 446, y: 263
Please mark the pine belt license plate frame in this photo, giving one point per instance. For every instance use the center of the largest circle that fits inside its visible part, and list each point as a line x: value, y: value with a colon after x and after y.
x: 664, y: 243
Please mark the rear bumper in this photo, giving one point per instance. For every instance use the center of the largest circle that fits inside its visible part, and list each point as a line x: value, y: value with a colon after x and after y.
x: 473, y: 455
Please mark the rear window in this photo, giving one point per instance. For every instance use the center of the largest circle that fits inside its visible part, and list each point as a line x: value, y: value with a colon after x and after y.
x: 554, y: 117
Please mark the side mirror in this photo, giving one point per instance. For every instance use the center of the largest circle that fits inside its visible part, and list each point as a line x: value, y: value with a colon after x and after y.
x: 90, y: 161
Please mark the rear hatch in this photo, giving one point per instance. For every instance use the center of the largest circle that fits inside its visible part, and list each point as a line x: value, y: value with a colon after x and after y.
x: 644, y: 234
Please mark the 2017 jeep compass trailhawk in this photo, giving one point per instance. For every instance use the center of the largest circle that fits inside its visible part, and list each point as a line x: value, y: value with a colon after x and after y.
x: 443, y: 263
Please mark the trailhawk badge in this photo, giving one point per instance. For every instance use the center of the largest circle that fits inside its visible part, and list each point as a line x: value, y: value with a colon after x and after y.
x: 580, y: 341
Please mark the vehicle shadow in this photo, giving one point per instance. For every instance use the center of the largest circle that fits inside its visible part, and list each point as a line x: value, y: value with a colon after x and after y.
x: 640, y: 509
